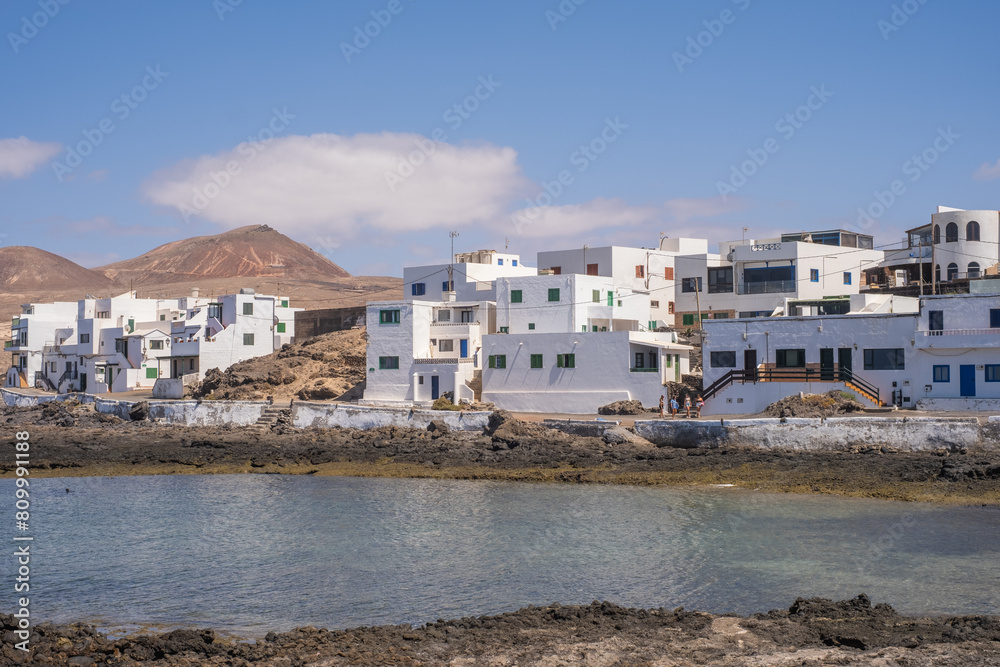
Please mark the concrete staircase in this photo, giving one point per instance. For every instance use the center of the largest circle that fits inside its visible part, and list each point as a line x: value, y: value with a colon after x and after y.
x: 476, y: 385
x: 270, y: 418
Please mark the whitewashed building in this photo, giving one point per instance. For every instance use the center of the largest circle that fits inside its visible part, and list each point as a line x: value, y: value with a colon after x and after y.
x: 943, y: 354
x: 123, y: 343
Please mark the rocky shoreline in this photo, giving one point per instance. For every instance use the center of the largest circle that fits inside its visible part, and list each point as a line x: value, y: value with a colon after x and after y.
x: 74, y: 441
x: 810, y: 632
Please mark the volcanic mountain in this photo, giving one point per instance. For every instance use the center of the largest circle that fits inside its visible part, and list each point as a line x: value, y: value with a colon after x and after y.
x: 24, y: 269
x: 256, y: 251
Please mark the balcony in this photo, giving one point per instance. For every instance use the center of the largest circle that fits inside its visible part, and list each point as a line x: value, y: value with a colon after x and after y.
x: 446, y: 360
x: 958, y: 338
x: 8, y: 344
x: 768, y: 287
x: 644, y: 370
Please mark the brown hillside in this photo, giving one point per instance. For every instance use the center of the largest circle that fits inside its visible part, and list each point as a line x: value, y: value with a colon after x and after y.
x: 247, y: 252
x: 25, y: 269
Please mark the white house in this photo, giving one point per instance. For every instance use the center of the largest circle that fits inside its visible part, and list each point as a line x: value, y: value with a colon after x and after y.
x: 473, y: 274
x: 123, y: 342
x: 944, y: 354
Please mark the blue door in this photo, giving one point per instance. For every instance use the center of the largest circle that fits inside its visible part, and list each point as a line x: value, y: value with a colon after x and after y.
x: 464, y: 343
x: 968, y: 377
x: 435, y: 389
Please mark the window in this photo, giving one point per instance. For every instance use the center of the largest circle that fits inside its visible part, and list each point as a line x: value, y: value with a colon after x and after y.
x: 723, y: 359
x: 388, y: 363
x: 935, y: 319
x: 651, y: 325
x: 993, y: 372
x: 937, y: 234
x: 465, y: 316
x: 536, y: 361
x: 942, y: 373
x: 972, y: 231
x: 504, y: 329
x: 515, y: 296
x: 420, y: 379
x: 556, y: 270
x: 281, y: 327
x: 847, y: 277
x: 704, y: 316
x: 84, y: 338
x: 565, y: 361
x: 513, y: 262
x: 164, y: 317
x: 248, y: 308
x: 973, y: 270
x: 688, y: 320
x: 952, y: 271
x: 214, y: 310
x: 995, y: 318
x: 284, y: 303
x: 597, y: 296
x: 593, y: 328
x: 583, y: 328
x: 668, y: 273
x: 722, y: 316
x: 446, y: 345
x: 814, y: 275
x: 670, y: 307
x: 447, y: 286
x: 592, y: 270
x: 640, y: 271
x: 151, y: 374
x: 248, y: 339
x: 653, y: 359
x: 388, y: 317
x: 444, y: 316
x: 418, y: 289
x: 156, y: 344
x: 191, y: 364
x: 937, y: 273
x: 103, y: 314
x: 720, y: 280
x: 611, y: 298
x: 531, y: 326
x: 951, y: 233
x: 499, y: 262
x: 888, y: 359
x: 553, y: 294
x: 654, y: 304
x: 498, y: 361
x: 790, y: 358
x: 689, y: 284
x: 121, y: 346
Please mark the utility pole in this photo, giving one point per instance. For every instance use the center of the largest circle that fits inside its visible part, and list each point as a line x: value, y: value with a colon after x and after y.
x: 585, y: 246
x: 697, y: 298
x: 934, y: 276
x: 451, y: 263
x: 920, y: 263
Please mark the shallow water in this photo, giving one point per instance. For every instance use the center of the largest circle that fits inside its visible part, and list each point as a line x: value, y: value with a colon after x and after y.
x: 252, y: 553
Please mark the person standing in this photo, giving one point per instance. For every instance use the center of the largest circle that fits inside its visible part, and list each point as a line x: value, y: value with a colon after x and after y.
x: 687, y: 405
x: 674, y: 407
x: 699, y: 404
x: 661, y: 406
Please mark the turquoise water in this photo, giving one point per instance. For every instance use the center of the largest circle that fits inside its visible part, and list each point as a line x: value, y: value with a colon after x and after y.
x: 251, y: 553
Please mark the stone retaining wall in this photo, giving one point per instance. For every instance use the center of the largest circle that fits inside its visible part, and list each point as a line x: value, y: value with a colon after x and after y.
x: 326, y: 415
x: 834, y: 433
x: 591, y: 428
x: 16, y: 399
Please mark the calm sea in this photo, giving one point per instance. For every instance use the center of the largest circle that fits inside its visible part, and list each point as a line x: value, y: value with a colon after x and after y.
x: 252, y: 553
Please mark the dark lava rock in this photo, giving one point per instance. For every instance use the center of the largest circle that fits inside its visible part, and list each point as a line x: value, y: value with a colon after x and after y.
x: 139, y: 411
x: 622, y: 408
x: 439, y: 427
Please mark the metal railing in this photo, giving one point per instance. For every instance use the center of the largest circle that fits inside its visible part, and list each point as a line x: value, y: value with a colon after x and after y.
x: 767, y: 287
x: 644, y: 370
x: 755, y: 375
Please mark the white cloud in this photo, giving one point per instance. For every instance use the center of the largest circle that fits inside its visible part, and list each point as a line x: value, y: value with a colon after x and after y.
x: 330, y: 185
x: 987, y: 172
x: 20, y: 157
x: 604, y: 215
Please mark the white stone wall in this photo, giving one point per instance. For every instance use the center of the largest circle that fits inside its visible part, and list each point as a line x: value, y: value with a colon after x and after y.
x: 329, y: 415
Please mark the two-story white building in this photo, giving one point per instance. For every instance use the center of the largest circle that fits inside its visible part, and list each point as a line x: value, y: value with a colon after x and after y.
x: 935, y: 353
x: 122, y: 343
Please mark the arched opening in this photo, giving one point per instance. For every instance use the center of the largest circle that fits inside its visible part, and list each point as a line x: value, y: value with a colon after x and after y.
x: 951, y: 233
x: 937, y: 233
x: 937, y: 273
x: 972, y: 231
x: 952, y: 271
x: 973, y: 269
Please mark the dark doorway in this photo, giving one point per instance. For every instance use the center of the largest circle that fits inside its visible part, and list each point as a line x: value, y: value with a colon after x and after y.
x: 826, y: 364
x: 750, y: 364
x: 968, y: 380
x: 435, y: 388
x: 844, y: 359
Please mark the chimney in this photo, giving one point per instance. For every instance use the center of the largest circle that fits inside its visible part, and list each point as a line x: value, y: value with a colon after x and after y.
x: 194, y: 292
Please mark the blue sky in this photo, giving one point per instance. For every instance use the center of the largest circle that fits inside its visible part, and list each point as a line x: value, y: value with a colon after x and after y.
x: 198, y: 116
